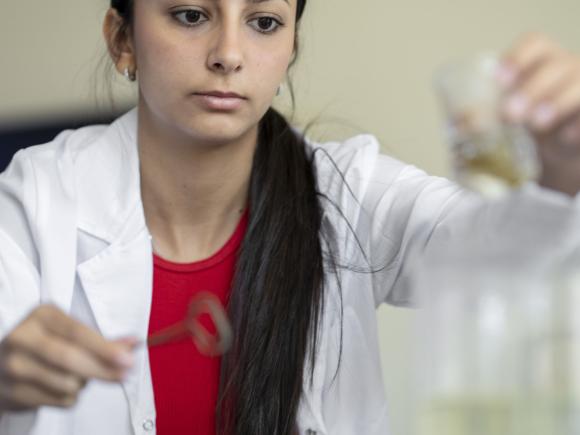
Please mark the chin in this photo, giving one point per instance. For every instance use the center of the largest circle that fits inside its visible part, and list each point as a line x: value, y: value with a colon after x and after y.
x: 219, y: 129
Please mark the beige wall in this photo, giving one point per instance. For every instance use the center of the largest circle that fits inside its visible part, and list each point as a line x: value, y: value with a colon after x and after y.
x: 368, y: 62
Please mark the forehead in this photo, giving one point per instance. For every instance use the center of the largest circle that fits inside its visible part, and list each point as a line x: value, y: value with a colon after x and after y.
x: 219, y: 3
x: 223, y: 2
x: 265, y: 1
x: 289, y: 2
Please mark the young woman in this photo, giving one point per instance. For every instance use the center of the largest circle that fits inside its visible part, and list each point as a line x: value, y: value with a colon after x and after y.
x: 108, y: 231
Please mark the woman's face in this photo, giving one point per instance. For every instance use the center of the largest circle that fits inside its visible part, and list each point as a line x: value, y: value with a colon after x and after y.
x: 185, y: 48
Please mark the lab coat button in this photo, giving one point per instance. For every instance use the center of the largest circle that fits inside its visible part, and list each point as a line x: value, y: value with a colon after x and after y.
x: 148, y: 425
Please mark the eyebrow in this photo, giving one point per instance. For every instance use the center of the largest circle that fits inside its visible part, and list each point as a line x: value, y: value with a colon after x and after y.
x: 263, y: 1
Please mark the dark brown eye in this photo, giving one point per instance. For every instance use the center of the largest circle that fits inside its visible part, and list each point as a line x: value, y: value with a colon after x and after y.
x: 266, y: 24
x: 192, y: 16
x: 189, y: 17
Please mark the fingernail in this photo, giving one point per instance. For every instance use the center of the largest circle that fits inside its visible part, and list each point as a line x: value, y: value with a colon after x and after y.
x: 506, y: 76
x: 130, y: 341
x: 516, y: 107
x: 125, y: 359
x: 543, y: 116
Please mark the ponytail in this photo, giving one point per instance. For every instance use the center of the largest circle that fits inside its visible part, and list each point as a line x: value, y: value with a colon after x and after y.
x: 277, y: 294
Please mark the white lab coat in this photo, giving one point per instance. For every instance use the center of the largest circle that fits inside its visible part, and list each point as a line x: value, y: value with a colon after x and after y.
x: 72, y: 232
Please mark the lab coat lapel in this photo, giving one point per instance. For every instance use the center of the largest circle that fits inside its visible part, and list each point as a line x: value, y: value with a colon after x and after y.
x: 117, y: 279
x: 118, y: 284
x: 57, y: 247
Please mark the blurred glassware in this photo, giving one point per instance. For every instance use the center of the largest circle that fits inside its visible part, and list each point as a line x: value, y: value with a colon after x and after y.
x: 490, y: 155
x: 498, y: 345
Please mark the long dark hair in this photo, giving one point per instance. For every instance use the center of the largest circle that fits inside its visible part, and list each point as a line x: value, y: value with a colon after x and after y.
x: 277, y: 294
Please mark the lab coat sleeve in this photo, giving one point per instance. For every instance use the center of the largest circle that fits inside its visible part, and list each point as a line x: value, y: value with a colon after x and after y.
x: 385, y: 214
x: 19, y: 270
x: 411, y: 215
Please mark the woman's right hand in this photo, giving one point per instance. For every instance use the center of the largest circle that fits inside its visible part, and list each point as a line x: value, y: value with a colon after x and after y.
x: 49, y: 357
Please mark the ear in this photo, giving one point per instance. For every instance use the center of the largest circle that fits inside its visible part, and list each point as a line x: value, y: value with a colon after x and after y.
x: 294, y: 56
x: 119, y: 41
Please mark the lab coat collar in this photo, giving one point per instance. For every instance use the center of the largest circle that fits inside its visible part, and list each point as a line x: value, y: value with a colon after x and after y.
x: 108, y: 183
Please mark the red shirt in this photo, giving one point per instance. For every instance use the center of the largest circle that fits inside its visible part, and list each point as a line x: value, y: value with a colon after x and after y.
x: 186, y: 382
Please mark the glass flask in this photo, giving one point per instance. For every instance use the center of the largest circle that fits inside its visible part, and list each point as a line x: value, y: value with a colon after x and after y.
x: 498, y: 344
x: 489, y: 154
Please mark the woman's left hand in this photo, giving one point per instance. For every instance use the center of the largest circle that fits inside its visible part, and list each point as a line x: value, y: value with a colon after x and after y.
x: 542, y: 81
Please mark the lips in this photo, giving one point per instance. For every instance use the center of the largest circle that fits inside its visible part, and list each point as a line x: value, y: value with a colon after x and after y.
x: 220, y: 94
x: 220, y: 101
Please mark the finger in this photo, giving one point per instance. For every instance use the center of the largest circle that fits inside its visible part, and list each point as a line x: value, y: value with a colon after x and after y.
x: 561, y: 107
x: 23, y: 396
x: 33, y: 339
x: 528, y: 53
x: 115, y: 354
x: 530, y: 101
x: 21, y: 367
x: 72, y: 359
x: 548, y: 79
x: 129, y: 342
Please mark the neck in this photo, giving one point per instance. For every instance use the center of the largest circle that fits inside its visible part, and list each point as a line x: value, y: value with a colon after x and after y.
x: 193, y: 192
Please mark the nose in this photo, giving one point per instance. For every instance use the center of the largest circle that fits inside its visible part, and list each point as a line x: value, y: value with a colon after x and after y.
x: 226, y: 55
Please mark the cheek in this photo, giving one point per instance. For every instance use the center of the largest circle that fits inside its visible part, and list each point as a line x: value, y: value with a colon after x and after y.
x: 165, y: 64
x: 269, y: 58
x: 271, y: 68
